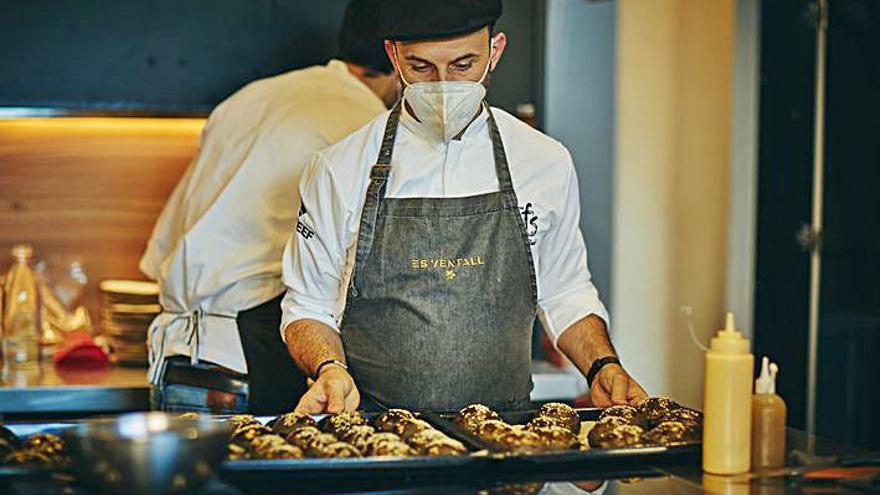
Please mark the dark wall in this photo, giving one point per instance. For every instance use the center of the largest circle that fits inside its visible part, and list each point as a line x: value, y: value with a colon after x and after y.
x: 176, y: 55
x: 849, y: 397
x: 518, y: 78
x: 785, y: 177
x: 849, y: 324
x: 852, y: 202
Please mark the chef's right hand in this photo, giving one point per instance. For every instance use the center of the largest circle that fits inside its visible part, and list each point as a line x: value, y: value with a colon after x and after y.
x: 334, y: 391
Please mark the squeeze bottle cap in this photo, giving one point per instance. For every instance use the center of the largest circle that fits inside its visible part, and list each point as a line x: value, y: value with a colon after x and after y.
x: 729, y: 340
x: 766, y: 383
x: 22, y: 252
x: 774, y: 369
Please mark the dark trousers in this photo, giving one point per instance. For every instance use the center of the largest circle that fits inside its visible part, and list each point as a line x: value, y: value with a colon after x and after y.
x: 276, y: 383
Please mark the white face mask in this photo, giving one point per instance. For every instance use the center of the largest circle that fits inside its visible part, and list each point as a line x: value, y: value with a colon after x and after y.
x: 445, y: 108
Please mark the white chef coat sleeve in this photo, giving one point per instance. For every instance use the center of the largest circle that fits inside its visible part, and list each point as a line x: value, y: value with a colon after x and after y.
x: 566, y: 292
x: 314, y: 258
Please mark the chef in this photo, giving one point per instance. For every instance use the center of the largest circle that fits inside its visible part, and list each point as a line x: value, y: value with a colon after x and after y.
x: 216, y: 248
x: 436, y: 235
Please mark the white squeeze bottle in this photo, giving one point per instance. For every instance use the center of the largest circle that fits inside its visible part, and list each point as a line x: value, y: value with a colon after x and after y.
x: 727, y: 428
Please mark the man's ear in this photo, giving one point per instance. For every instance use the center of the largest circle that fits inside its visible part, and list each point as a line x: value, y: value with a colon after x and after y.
x: 389, y: 50
x: 500, y: 44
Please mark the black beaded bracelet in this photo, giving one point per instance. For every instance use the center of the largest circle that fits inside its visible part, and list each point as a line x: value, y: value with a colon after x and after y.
x: 598, y: 365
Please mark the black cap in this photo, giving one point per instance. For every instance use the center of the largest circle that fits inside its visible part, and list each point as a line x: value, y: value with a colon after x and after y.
x: 359, y: 40
x: 409, y: 20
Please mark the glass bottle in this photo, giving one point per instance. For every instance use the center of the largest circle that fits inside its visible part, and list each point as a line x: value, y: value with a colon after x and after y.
x: 768, y: 420
x: 21, y: 316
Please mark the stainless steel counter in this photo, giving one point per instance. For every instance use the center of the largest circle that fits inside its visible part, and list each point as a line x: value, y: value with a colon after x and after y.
x: 49, y: 390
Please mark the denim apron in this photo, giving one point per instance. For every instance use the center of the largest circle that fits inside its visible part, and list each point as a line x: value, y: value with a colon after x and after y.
x: 442, y: 297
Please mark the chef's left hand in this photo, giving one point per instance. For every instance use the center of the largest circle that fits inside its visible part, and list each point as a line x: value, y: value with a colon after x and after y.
x: 334, y: 391
x: 614, y: 386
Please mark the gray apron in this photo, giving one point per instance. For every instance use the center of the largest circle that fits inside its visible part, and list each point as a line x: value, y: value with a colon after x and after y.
x: 442, y: 298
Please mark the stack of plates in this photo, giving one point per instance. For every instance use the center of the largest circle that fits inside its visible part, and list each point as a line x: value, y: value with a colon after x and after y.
x: 127, y: 309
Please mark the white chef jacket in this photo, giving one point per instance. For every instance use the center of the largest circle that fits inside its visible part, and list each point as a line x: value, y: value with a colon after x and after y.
x: 319, y: 258
x: 216, y: 248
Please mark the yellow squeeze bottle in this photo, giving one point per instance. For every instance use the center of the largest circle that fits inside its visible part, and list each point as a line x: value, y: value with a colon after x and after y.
x: 727, y: 427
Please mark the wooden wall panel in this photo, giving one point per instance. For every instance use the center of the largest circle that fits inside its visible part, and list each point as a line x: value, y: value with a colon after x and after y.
x: 89, y: 187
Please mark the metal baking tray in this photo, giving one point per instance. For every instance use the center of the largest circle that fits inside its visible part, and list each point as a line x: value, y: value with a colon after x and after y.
x: 600, y: 461
x: 249, y: 473
x: 257, y: 476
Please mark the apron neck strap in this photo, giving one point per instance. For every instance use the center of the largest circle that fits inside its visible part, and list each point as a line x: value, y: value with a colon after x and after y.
x: 505, y: 183
x: 382, y: 168
x: 388, y: 138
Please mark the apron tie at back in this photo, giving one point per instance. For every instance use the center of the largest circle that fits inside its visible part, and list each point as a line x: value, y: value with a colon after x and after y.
x: 195, y: 325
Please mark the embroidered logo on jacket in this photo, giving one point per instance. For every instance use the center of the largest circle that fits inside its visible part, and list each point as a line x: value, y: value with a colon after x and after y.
x: 531, y: 221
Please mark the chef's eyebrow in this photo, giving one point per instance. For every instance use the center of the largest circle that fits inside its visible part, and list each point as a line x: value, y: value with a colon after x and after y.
x: 414, y: 58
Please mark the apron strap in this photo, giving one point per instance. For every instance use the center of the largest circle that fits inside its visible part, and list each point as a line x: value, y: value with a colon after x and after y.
x: 389, y: 137
x: 505, y: 184
x: 375, y: 192
x: 502, y: 170
x: 380, y: 171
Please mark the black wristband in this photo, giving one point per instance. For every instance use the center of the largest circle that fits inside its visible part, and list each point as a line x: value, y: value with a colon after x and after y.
x: 598, y: 365
x: 327, y: 362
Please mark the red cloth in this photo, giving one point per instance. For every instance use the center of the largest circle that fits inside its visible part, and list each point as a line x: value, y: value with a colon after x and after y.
x: 79, y: 349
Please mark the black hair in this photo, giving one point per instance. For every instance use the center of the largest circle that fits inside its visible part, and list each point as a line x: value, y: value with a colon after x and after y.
x: 359, y: 41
